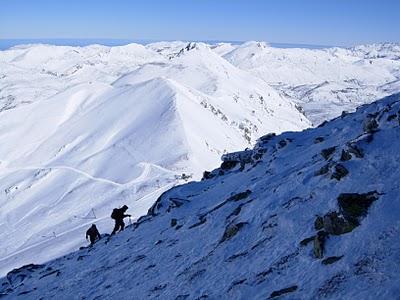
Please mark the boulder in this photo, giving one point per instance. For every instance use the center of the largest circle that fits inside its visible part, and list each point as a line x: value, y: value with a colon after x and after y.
x: 282, y: 143
x: 319, y: 244
x: 207, y: 175
x: 353, y: 206
x: 370, y: 125
x: 327, y: 153
x: 354, y: 149
x: 345, y: 156
x: 330, y: 260
x: 228, y: 165
x: 284, y: 291
x: 319, y: 223
x: 323, y: 170
x: 174, y: 222
x: 306, y: 241
x: 231, y: 231
x: 239, y: 196
x: 337, y: 225
x: 340, y: 172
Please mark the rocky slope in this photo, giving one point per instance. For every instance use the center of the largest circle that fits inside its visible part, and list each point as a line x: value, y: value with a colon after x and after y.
x: 303, y: 215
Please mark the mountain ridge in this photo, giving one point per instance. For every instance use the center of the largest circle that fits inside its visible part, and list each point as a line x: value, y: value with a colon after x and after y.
x: 310, y: 214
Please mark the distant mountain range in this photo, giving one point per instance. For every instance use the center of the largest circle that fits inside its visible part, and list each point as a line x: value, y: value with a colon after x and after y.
x: 87, y: 129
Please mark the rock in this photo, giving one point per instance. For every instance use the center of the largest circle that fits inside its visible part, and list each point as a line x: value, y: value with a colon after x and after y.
x: 17, y: 276
x: 159, y: 287
x: 319, y: 139
x: 319, y: 244
x: 340, y: 172
x: 257, y: 156
x: 345, y: 156
x: 281, y: 292
x: 207, y: 175
x: 174, y: 222
x: 322, y: 124
x: 228, y: 165
x: 231, y: 231
x: 330, y: 260
x: 319, y: 223
x: 55, y: 272
x: 239, y: 196
x: 282, y: 143
x: 370, y: 125
x: 202, y: 220
x: 354, y: 149
x: 241, y: 156
x: 391, y: 117
x: 308, y: 240
x: 236, y: 283
x: 323, y: 170
x: 175, y: 203
x: 337, y: 225
x: 326, y: 153
x: 267, y: 137
x: 354, y: 205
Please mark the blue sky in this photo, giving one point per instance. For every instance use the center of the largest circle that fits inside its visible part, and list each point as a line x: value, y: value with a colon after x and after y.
x: 323, y: 22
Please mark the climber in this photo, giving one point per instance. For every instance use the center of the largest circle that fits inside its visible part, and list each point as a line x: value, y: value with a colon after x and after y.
x: 118, y: 214
x: 93, y: 234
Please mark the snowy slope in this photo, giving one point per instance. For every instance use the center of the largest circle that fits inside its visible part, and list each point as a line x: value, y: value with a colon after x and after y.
x: 243, y: 232
x: 326, y: 81
x: 35, y: 72
x: 84, y: 130
x: 239, y: 99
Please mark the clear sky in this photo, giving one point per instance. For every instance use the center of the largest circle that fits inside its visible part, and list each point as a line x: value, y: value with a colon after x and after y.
x: 323, y: 22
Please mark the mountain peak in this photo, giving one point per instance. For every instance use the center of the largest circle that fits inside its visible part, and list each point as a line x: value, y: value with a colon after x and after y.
x: 296, y: 216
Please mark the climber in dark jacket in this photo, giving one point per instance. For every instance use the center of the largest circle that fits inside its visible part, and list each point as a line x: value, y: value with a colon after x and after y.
x: 118, y: 215
x: 93, y: 234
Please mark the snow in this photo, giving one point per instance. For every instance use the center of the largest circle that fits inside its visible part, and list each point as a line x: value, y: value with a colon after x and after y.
x: 323, y: 82
x: 87, y: 129
x: 273, y: 200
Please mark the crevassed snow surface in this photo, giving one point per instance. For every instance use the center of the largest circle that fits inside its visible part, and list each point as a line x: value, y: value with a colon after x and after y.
x: 237, y: 235
x: 87, y: 129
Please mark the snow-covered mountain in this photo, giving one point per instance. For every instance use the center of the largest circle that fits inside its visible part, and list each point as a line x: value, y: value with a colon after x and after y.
x: 324, y: 82
x: 87, y: 129
x: 302, y: 215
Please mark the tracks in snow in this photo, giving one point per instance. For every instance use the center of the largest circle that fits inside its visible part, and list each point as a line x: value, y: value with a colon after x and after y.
x: 143, y: 176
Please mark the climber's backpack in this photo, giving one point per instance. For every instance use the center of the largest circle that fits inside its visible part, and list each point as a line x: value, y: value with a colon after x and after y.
x: 114, y: 213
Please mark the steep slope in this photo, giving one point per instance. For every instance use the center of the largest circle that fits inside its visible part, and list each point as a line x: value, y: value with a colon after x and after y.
x: 60, y: 177
x: 303, y: 215
x: 67, y: 159
x: 324, y: 82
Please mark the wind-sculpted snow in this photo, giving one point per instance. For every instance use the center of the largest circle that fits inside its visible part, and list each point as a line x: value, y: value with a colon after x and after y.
x: 302, y: 215
x: 87, y: 129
